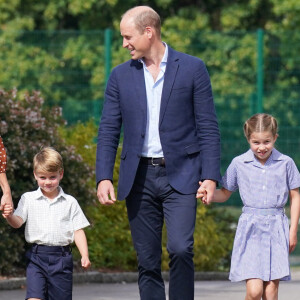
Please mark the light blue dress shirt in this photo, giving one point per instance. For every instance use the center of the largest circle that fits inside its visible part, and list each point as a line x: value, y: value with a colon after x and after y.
x: 152, y: 145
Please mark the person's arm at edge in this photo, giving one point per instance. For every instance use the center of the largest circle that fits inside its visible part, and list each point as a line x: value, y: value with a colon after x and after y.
x: 81, y: 243
x: 295, y: 213
x: 6, y: 198
x: 207, y: 125
x: 108, y: 141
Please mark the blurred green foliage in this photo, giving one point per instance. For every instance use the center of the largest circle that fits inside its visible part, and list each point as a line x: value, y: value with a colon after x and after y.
x: 58, y: 47
x: 93, y: 14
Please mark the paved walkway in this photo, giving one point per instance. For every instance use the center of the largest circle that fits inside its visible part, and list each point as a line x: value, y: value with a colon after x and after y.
x: 208, y: 290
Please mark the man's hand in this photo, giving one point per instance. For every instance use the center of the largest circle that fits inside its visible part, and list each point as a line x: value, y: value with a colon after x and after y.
x: 206, y: 191
x: 106, y: 192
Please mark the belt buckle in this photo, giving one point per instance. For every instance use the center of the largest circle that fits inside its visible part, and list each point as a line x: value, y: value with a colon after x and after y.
x: 152, y: 162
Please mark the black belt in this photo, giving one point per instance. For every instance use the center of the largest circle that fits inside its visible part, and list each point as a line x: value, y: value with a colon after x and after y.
x: 43, y: 248
x: 154, y: 161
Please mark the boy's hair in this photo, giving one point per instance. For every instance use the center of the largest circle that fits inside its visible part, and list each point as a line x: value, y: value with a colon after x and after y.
x: 260, y: 123
x: 48, y: 160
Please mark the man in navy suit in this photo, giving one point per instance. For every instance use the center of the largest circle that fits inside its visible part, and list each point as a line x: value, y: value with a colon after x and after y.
x: 164, y: 102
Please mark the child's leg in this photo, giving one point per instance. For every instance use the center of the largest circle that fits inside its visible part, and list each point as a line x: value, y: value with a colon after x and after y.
x: 49, y: 273
x: 254, y: 289
x: 60, y: 274
x: 271, y: 290
x: 36, y: 281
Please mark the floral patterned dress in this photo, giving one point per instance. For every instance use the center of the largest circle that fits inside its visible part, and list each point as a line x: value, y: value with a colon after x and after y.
x: 2, y: 157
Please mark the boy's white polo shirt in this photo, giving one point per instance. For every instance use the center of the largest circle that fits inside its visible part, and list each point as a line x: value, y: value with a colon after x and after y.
x: 51, y: 223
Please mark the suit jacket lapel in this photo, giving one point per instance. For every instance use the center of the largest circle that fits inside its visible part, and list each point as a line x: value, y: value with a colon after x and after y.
x: 171, y: 70
x: 140, y: 88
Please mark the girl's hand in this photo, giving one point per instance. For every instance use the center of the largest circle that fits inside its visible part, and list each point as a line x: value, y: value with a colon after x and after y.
x: 202, y: 194
x: 293, y: 241
x: 85, y: 262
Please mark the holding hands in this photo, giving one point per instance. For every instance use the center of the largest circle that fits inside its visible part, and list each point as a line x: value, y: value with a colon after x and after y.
x: 206, y: 191
x: 7, y: 210
x: 6, y: 204
x: 208, y: 194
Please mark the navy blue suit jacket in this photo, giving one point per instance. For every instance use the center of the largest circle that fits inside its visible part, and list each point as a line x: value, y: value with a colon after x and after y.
x: 188, y: 126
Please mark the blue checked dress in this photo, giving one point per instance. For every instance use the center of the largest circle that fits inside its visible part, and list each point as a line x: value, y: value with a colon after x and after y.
x: 261, y: 244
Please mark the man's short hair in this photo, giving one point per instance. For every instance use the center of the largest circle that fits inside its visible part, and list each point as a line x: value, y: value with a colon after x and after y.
x: 146, y: 17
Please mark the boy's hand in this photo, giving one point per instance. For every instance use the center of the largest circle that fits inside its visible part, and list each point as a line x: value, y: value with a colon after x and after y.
x: 85, y: 262
x: 7, y: 210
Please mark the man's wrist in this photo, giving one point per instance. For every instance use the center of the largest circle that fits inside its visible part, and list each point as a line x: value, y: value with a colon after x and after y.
x: 210, y: 180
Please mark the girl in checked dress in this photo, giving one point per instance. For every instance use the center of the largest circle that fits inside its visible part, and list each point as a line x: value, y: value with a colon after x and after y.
x: 266, y: 179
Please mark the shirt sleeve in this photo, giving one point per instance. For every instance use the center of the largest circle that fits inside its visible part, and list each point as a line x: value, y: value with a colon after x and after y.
x: 78, y: 218
x: 293, y: 176
x: 22, y: 210
x: 2, y: 157
x: 229, y: 180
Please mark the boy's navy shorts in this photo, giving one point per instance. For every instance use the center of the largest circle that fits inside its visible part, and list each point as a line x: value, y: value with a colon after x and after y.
x: 49, y: 272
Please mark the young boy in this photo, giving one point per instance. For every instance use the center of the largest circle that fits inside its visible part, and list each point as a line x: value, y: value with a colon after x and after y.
x: 53, y: 221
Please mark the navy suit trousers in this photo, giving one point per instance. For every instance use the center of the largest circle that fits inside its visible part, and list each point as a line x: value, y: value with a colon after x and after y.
x: 151, y: 202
